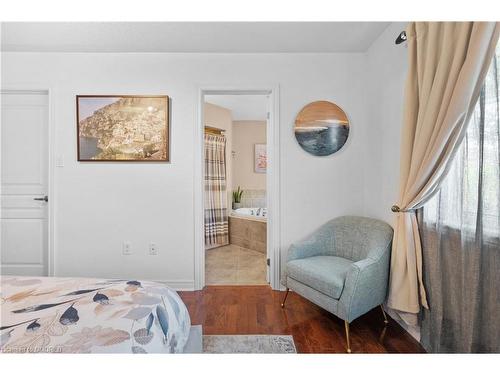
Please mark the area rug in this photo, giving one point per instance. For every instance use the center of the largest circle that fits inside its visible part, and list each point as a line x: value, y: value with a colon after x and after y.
x: 271, y: 344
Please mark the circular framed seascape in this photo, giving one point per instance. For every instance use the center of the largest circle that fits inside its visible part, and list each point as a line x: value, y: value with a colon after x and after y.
x: 321, y: 128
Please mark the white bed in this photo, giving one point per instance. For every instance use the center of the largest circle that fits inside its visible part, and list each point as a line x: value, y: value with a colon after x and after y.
x: 77, y: 315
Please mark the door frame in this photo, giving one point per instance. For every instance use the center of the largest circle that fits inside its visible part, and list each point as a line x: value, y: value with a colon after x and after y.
x: 272, y: 179
x: 51, y: 193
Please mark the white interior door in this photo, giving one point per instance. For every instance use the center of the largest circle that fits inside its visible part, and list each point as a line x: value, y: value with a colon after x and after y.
x: 24, y: 183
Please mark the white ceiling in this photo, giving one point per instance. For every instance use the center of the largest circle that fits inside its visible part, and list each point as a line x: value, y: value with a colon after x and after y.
x: 210, y: 37
x: 243, y: 107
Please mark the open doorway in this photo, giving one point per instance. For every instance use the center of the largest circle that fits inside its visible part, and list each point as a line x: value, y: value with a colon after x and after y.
x: 271, y: 93
x: 235, y: 189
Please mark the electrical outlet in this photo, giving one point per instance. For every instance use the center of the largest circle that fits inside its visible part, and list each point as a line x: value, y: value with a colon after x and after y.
x: 127, y: 248
x: 153, y: 249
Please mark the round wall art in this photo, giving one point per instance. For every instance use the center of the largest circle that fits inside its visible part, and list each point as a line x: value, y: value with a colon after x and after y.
x: 321, y: 128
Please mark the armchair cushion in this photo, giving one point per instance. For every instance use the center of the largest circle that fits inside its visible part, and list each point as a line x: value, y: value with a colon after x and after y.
x: 324, y: 273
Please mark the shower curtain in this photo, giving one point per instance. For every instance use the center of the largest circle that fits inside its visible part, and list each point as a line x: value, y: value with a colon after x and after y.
x: 216, y: 221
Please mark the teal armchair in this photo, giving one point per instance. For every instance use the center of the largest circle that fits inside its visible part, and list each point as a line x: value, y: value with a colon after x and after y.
x: 343, y: 267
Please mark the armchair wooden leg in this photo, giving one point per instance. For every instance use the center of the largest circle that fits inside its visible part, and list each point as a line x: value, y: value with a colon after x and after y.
x: 346, y: 324
x: 284, y: 299
x: 383, y: 313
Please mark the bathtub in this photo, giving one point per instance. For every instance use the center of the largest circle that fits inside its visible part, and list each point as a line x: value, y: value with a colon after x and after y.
x: 251, y: 213
x: 248, y: 228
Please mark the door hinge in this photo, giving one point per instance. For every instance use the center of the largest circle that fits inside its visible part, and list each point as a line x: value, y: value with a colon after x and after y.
x: 268, y: 115
x: 268, y: 262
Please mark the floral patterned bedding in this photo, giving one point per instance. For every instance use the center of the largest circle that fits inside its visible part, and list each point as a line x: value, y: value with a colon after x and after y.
x: 75, y: 315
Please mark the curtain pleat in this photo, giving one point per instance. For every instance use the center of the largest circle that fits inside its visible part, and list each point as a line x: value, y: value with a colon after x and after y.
x: 216, y: 220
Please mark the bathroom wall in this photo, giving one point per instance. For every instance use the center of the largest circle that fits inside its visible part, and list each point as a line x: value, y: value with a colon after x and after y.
x: 221, y: 118
x: 245, y: 135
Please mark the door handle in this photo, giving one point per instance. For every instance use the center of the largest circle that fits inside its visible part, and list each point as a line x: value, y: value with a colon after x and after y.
x: 45, y: 199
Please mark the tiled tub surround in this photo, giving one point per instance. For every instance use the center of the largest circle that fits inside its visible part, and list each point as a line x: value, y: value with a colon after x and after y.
x: 248, y: 232
x: 253, y: 198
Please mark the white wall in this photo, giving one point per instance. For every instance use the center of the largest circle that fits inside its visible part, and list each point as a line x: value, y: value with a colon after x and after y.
x: 386, y: 74
x: 97, y: 206
x: 245, y: 135
x: 386, y: 71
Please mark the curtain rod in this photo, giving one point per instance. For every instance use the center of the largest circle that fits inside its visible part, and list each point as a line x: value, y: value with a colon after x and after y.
x: 401, y: 37
x: 212, y: 130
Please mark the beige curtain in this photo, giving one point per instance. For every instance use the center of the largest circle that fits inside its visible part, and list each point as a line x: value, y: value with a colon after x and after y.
x: 447, y: 65
x: 216, y: 220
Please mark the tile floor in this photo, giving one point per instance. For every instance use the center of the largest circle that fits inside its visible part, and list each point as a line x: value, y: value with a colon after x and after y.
x: 234, y: 265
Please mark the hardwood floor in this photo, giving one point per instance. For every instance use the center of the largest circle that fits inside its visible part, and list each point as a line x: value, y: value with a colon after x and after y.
x: 235, y: 310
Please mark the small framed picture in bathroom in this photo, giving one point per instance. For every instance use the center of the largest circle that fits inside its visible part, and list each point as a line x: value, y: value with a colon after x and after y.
x: 260, y: 158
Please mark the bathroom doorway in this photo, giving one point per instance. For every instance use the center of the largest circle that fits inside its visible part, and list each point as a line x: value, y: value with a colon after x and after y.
x: 235, y: 189
x: 237, y: 211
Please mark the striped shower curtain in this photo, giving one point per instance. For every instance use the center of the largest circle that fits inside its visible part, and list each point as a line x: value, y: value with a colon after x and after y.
x: 216, y: 221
